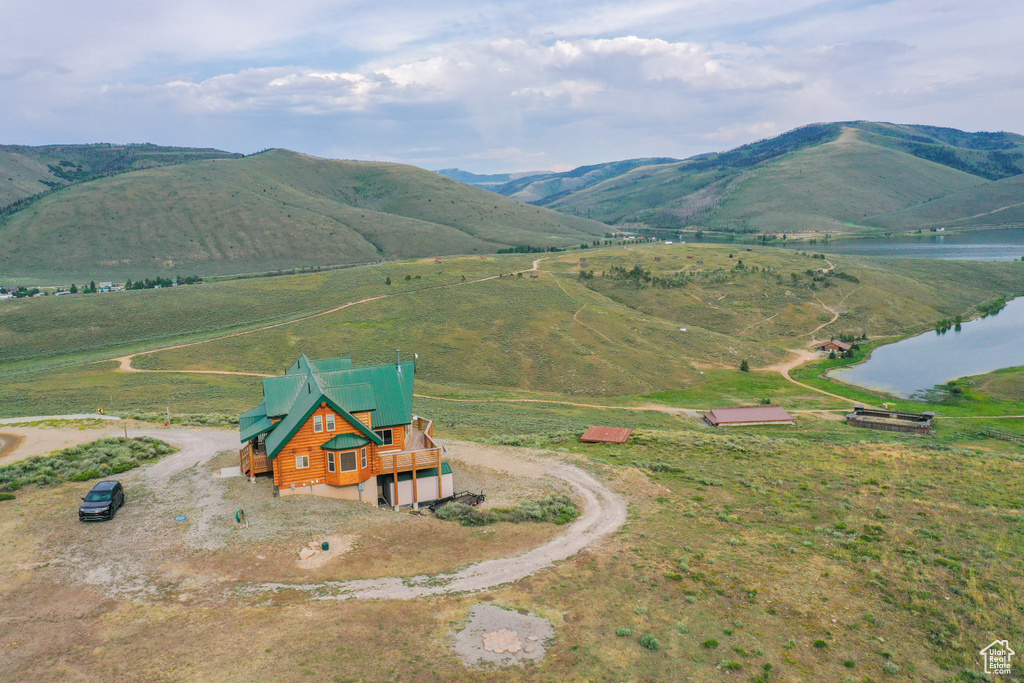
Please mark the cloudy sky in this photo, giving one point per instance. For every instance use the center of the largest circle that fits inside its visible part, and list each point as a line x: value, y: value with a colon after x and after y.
x: 498, y: 86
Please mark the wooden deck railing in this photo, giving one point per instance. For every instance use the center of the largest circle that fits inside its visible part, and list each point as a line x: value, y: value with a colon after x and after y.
x: 409, y: 460
x: 253, y: 460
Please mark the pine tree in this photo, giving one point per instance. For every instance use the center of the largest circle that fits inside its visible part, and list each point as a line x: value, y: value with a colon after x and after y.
x: 744, y: 366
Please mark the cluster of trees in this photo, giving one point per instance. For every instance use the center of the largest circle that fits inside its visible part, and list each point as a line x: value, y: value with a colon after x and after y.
x: 849, y: 353
x: 149, y: 283
x: 992, y: 308
x: 527, y: 249
x: 640, y: 277
x: 22, y: 291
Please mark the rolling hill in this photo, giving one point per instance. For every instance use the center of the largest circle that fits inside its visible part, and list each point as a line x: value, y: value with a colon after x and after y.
x: 834, y: 177
x: 274, y: 210
x: 27, y: 171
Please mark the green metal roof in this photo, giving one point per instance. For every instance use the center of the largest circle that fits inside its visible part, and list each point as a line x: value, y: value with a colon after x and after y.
x: 250, y: 417
x: 304, y: 407
x: 255, y: 429
x: 355, y: 398
x: 280, y: 393
x: 329, y: 364
x: 304, y: 364
x: 343, y: 442
x: 385, y: 390
x: 254, y: 422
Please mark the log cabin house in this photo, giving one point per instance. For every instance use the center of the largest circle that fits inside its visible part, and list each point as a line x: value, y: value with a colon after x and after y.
x: 330, y: 429
x: 834, y: 345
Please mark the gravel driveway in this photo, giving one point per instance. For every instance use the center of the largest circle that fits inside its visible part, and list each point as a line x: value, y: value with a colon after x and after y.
x: 603, y: 512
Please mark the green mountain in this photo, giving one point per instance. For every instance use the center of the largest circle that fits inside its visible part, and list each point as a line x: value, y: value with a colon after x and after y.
x: 278, y: 209
x: 29, y: 171
x: 544, y: 188
x: 832, y: 177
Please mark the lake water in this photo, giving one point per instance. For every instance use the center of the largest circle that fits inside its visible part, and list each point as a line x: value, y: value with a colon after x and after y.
x: 919, y: 363
x: 973, y: 245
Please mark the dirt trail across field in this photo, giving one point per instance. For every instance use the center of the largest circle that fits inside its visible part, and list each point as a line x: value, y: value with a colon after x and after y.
x: 800, y: 357
x: 124, y: 361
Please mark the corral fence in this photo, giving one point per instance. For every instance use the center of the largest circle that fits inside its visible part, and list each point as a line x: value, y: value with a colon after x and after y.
x: 1005, y: 436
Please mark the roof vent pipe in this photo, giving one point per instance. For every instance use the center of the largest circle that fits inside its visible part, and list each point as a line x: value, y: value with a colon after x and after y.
x: 399, y: 352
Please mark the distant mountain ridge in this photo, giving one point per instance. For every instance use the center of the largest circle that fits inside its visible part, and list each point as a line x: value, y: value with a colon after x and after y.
x: 26, y: 171
x: 274, y: 210
x: 870, y: 172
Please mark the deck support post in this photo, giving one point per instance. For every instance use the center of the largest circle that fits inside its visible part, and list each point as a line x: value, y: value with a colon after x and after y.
x: 415, y: 495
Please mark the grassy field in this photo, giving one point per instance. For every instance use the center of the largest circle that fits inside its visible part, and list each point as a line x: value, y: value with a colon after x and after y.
x: 551, y: 336
x: 814, y: 552
x: 278, y: 209
x: 875, y: 560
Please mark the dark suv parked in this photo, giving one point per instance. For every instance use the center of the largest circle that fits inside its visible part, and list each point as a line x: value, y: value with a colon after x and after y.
x: 102, y: 501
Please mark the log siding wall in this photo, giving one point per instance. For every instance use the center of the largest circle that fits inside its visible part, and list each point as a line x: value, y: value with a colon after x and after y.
x: 308, y: 442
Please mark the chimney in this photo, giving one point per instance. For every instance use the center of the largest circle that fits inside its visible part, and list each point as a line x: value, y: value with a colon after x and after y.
x: 399, y: 359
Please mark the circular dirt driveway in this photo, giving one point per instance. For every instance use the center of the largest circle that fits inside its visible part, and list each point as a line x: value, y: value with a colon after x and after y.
x: 123, y: 559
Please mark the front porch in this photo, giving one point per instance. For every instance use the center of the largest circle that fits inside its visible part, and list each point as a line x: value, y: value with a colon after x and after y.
x: 252, y: 458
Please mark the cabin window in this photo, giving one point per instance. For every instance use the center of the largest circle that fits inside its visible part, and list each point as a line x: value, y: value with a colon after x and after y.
x: 348, y: 461
x: 330, y: 422
x: 363, y: 458
x: 331, y: 467
x: 318, y: 423
x: 387, y: 436
x: 301, y: 462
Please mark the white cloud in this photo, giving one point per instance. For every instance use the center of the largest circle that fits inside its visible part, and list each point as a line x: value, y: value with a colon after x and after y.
x: 569, y: 74
x: 580, y: 82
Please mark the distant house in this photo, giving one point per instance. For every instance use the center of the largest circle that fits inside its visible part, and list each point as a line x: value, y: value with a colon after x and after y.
x: 834, y: 345
x: 330, y: 429
x: 105, y: 286
x: 748, y: 415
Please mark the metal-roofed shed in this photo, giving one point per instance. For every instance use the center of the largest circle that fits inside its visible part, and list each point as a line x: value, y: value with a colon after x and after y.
x: 606, y: 435
x: 748, y: 415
